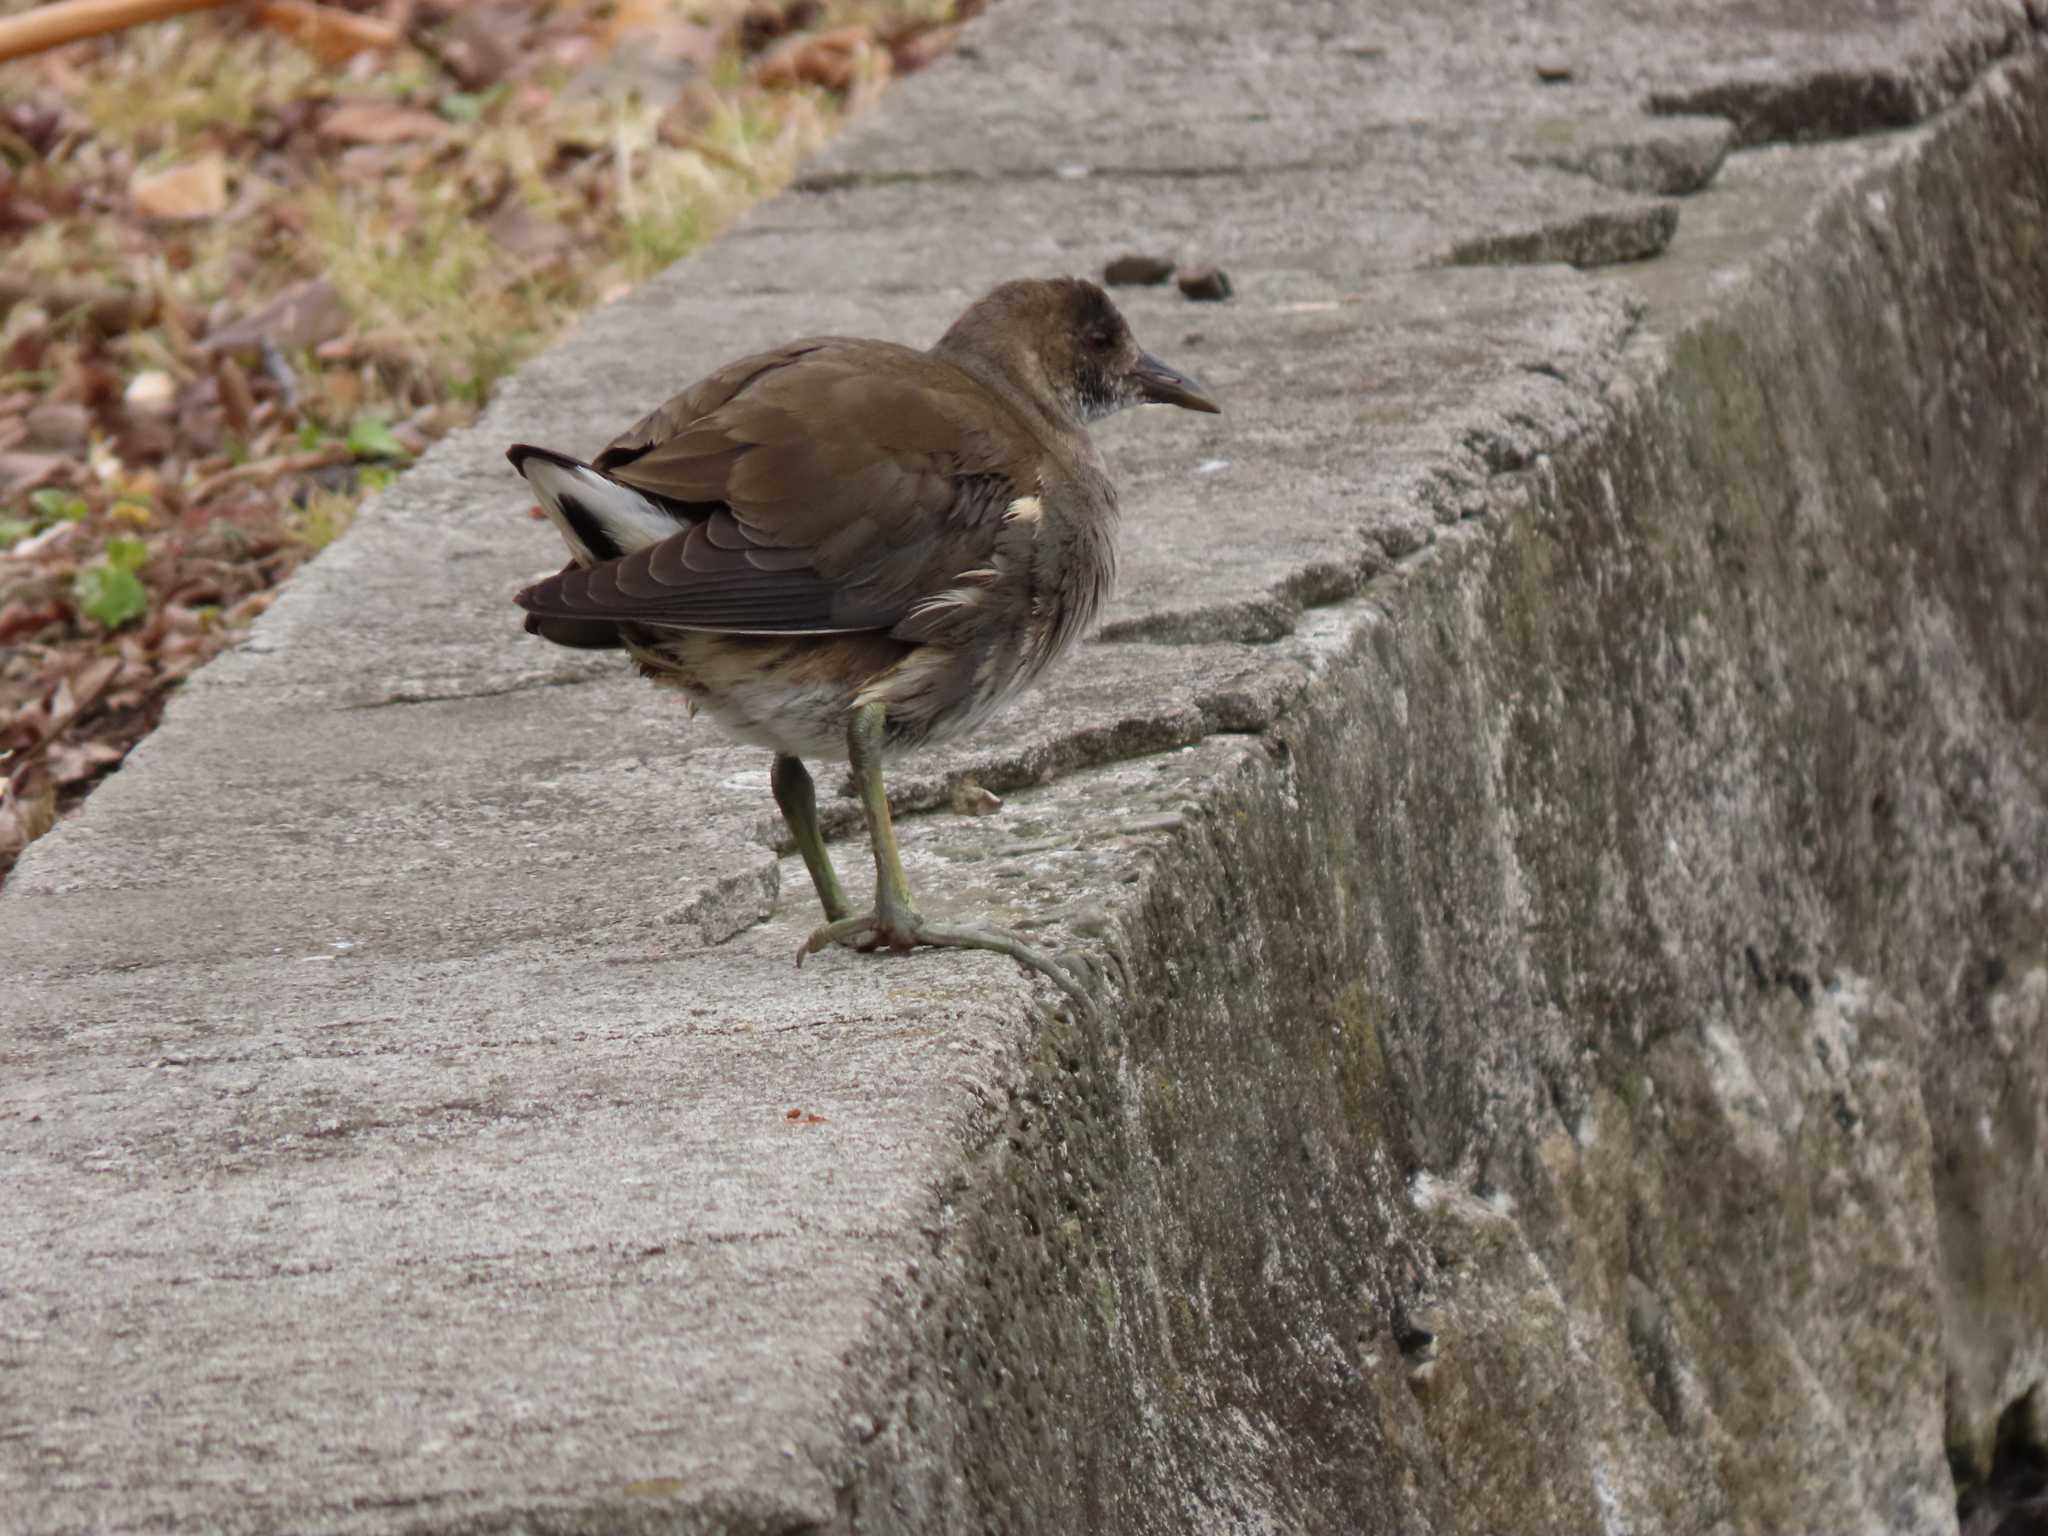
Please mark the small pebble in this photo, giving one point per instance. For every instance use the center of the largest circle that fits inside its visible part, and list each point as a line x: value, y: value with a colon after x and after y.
x: 151, y: 391
x: 1136, y: 271
x: 1553, y: 71
x: 1205, y: 284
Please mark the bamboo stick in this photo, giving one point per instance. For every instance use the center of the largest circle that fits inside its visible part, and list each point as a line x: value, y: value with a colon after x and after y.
x: 66, y: 21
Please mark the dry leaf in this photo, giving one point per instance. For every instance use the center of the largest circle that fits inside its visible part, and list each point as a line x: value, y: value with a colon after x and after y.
x: 24, y: 471
x: 696, y: 106
x: 77, y: 693
x: 301, y: 317
x: 830, y: 59
x: 684, y: 42
x: 196, y: 190
x: 763, y: 24
x: 628, y: 16
x: 330, y: 35
x: 31, y: 804
x: 379, y: 122
x: 482, y: 45
x: 515, y: 227
x: 25, y: 618
x: 913, y: 48
x: 59, y: 426
x: 72, y: 762
x: 236, y: 402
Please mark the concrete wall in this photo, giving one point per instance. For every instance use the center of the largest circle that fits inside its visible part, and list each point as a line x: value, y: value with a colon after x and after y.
x: 1659, y: 863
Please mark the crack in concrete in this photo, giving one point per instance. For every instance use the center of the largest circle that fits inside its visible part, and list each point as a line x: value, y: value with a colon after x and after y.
x: 841, y: 181
x: 526, y: 685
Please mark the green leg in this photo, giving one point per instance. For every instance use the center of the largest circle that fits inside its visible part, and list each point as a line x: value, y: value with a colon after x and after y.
x: 895, y: 921
x: 798, y: 798
x: 893, y: 905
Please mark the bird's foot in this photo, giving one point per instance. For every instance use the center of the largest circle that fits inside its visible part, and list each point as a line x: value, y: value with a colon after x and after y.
x: 905, y: 931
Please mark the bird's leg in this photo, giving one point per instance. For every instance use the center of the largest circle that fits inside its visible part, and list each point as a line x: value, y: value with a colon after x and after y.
x: 798, y: 798
x: 895, y: 921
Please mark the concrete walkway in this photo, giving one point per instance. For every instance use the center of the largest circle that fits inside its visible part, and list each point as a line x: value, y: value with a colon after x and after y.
x: 410, y: 1118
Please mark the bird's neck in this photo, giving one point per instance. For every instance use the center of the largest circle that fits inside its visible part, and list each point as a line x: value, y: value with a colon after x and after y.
x: 1018, y: 380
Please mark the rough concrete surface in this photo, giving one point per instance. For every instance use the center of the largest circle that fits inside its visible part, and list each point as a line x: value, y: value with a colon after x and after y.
x: 1558, y: 817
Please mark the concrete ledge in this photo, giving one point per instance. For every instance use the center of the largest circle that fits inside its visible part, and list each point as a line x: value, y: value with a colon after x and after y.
x: 1562, y: 833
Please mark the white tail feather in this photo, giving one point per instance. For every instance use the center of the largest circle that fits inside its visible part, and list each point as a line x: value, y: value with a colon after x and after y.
x: 630, y: 519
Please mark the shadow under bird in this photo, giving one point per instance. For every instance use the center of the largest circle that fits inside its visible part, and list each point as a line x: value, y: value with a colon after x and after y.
x: 840, y: 548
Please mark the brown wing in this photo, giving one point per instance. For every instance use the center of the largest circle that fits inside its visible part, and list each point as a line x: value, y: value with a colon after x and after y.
x: 830, y: 486
x: 686, y: 409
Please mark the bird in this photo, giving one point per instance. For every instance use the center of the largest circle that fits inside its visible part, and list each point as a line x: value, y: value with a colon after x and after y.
x: 844, y: 548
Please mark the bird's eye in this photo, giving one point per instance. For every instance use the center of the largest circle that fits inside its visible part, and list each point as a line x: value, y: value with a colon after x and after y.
x: 1101, y: 340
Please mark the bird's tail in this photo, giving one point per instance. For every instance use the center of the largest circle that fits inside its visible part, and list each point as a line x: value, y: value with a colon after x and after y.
x: 598, y: 518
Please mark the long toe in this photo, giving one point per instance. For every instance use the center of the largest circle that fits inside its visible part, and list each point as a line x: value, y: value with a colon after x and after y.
x: 870, y: 931
x: 855, y: 932
x: 1026, y: 954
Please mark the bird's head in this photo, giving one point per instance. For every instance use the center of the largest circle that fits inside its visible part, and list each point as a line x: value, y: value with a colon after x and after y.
x: 1064, y: 342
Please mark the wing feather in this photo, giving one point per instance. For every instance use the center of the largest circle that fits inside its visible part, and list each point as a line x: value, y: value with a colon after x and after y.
x: 795, y: 530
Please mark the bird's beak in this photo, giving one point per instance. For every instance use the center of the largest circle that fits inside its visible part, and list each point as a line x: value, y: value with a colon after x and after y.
x: 1161, y: 384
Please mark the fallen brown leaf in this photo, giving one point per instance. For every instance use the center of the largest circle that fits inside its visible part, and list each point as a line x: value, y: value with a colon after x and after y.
x: 685, y: 42
x: 481, y: 45
x: 25, y: 471
x: 379, y: 122
x: 39, y: 122
x: 915, y: 47
x: 21, y: 619
x: 100, y: 311
x: 197, y: 189
x: 74, y: 695
x: 627, y: 16
x: 763, y: 24
x: 516, y: 228
x: 329, y: 34
x: 30, y: 807
x: 695, y: 108
x: 59, y: 426
x: 18, y: 210
x: 829, y: 59
x: 142, y: 435
x: 301, y: 317
x: 74, y: 762
x: 236, y: 402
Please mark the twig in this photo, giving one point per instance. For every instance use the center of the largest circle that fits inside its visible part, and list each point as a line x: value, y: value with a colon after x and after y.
x: 697, y: 145
x: 66, y: 21
x: 269, y: 469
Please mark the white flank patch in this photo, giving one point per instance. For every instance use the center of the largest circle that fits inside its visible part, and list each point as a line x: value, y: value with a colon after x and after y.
x: 1025, y: 509
x: 632, y: 521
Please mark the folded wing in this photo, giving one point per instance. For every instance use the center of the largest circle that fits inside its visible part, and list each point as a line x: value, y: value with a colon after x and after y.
x: 828, y: 487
